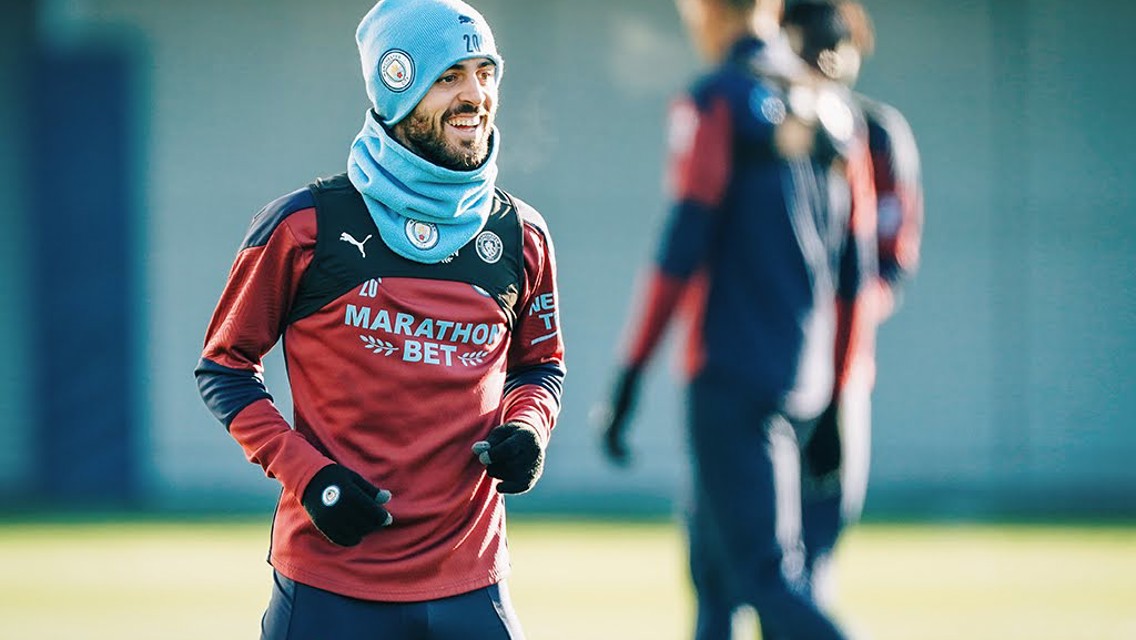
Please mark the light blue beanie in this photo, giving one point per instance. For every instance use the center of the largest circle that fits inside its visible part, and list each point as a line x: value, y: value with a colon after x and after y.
x: 405, y: 45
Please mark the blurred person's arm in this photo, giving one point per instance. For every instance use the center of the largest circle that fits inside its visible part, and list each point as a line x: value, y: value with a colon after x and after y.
x: 700, y: 168
x: 858, y: 267
x: 701, y: 152
x: 899, y: 189
x: 249, y: 319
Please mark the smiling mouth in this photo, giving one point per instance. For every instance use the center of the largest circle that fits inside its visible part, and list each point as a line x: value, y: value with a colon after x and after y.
x: 466, y: 123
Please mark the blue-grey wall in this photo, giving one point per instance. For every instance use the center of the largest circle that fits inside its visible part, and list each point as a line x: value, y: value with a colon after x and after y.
x: 1008, y: 378
x: 1005, y: 382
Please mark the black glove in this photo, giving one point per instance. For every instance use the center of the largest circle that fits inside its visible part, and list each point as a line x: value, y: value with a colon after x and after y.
x: 514, y: 454
x: 344, y: 506
x: 822, y: 451
x: 615, y: 417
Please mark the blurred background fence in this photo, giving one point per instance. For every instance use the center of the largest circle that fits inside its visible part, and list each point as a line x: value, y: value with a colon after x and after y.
x: 139, y: 138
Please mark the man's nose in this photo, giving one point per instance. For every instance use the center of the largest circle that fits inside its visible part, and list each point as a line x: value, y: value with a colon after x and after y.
x: 472, y: 90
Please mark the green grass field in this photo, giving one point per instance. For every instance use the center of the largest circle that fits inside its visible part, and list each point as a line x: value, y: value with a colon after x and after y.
x: 582, y: 580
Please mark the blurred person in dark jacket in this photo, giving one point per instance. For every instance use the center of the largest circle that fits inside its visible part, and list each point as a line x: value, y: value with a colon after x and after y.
x: 767, y: 277
x: 834, y: 37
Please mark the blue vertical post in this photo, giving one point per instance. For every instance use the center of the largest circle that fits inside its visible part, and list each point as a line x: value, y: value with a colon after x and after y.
x: 82, y: 203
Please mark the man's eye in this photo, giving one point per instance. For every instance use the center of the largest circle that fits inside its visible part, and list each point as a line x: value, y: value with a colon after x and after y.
x: 448, y: 78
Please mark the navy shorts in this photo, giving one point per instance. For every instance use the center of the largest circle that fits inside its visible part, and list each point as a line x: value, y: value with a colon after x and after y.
x: 300, y: 612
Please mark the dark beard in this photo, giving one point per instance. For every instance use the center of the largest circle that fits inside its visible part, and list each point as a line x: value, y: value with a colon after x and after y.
x: 424, y: 137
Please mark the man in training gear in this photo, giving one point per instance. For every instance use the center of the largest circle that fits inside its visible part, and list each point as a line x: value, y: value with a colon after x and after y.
x: 418, y: 309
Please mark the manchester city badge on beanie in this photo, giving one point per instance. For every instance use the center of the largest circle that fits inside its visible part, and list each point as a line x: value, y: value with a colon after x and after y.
x: 405, y: 45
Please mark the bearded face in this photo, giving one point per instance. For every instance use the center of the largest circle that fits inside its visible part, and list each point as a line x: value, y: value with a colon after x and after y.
x: 452, y: 126
x: 458, y: 139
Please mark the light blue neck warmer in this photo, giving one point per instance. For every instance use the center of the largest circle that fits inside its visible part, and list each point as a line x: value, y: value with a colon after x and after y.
x: 423, y: 212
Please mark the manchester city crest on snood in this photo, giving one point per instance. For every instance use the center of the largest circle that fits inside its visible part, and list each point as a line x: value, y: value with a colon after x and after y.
x: 489, y: 246
x: 423, y: 235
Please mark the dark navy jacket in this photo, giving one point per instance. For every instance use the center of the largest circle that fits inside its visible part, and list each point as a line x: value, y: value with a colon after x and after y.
x: 755, y: 256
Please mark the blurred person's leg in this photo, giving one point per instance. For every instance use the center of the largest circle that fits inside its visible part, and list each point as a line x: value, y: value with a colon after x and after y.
x: 814, y: 503
x: 856, y: 438
x: 299, y: 612
x: 822, y: 526
x: 713, y: 606
x: 830, y: 504
x: 821, y: 521
x: 733, y: 444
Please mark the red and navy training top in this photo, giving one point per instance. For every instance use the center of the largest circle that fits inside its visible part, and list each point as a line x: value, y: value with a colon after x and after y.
x: 396, y: 368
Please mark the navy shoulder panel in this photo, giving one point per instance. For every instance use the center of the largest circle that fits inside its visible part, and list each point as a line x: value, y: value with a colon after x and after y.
x: 731, y: 82
x: 527, y: 213
x: 264, y: 223
x: 708, y: 87
x: 884, y: 118
x: 890, y: 133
